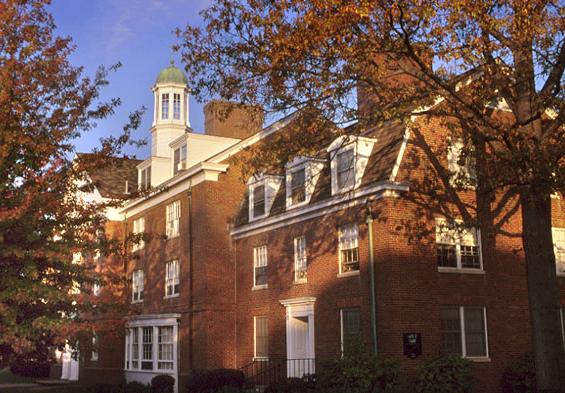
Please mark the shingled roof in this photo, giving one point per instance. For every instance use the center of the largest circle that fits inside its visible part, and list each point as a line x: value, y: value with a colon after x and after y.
x: 110, y: 179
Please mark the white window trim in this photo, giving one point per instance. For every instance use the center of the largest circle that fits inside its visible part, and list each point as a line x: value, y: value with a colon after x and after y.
x: 172, y: 224
x: 341, y: 273
x: 146, y: 167
x: 312, y: 170
x: 458, y: 244
x: 140, y: 288
x: 155, y: 323
x: 255, y: 357
x: 362, y: 148
x: 255, y: 252
x: 94, y: 353
x: 138, y: 228
x: 183, y: 163
x: 554, y: 231
x: 341, y: 323
x: 300, y: 280
x: 175, y: 279
x: 272, y: 184
x: 455, y: 170
x: 463, y: 342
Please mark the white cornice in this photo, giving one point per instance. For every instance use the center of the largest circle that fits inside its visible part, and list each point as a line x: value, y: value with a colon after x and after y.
x: 298, y: 301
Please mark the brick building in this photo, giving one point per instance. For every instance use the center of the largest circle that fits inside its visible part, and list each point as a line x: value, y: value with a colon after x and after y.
x: 361, y: 242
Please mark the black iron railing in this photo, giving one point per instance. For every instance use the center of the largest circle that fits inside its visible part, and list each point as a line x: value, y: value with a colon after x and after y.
x: 264, y: 372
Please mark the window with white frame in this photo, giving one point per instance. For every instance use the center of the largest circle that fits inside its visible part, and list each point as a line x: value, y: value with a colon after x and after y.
x: 350, y: 329
x: 96, y: 288
x: 345, y: 169
x: 145, y: 178
x: 165, y: 106
x: 147, y: 348
x: 95, y: 344
x: 300, y: 259
x: 151, y: 346
x: 298, y: 185
x: 262, y: 190
x: 260, y: 267
x: 457, y: 246
x: 165, y: 359
x: 137, y: 286
x: 259, y: 200
x: 172, y: 280
x: 261, y: 330
x: 464, y: 331
x: 138, y: 229
x: 173, y: 219
x: 348, y: 248
x: 559, y: 249
x: 176, y: 106
x: 461, y: 164
x: 179, y: 159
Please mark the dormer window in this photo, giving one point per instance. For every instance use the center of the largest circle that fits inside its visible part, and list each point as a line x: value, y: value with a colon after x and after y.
x: 301, y: 176
x: 176, y: 106
x: 345, y: 170
x: 165, y: 106
x: 461, y: 168
x: 262, y: 192
x: 179, y: 159
x: 349, y: 156
x: 145, y: 178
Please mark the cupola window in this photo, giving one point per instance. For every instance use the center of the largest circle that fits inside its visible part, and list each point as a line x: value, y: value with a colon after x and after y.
x: 165, y: 106
x: 176, y: 106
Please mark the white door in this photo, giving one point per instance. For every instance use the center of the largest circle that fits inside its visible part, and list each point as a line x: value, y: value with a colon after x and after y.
x: 69, y: 366
x: 298, y: 358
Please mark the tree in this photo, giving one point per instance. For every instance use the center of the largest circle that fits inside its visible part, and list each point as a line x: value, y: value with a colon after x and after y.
x: 45, y: 227
x: 493, y: 68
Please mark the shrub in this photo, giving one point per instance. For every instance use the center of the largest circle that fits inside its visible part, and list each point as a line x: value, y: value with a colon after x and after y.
x: 293, y: 385
x: 162, y: 384
x: 445, y: 374
x: 357, y: 373
x: 520, y: 376
x: 32, y: 364
x: 210, y: 381
x: 104, y: 388
x: 137, y: 387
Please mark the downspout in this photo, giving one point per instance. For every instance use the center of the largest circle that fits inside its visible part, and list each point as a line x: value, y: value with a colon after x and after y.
x: 190, y: 279
x: 372, y: 276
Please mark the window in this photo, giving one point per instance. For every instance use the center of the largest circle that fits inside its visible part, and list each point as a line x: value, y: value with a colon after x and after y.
x: 138, y: 229
x: 259, y: 200
x: 261, y: 337
x: 137, y: 286
x: 345, y: 169
x: 96, y: 288
x: 179, y: 159
x: 135, y: 348
x: 300, y: 260
x: 457, y: 247
x: 464, y: 331
x: 298, y: 185
x: 145, y: 178
x: 173, y: 219
x: 151, y: 346
x: 350, y: 330
x: 348, y: 249
x: 461, y: 169
x: 562, y: 311
x: 260, y: 267
x: 172, y: 278
x: 176, y: 106
x: 165, y: 348
x: 559, y: 249
x: 95, y: 342
x: 165, y: 106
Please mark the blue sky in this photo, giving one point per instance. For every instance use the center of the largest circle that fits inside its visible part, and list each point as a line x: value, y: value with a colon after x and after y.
x: 137, y: 33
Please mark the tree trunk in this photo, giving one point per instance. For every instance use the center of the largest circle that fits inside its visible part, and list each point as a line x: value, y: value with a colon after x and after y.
x: 543, y: 294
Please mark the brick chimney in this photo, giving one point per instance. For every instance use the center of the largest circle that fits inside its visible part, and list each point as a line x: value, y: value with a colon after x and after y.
x: 232, y: 120
x: 395, y: 82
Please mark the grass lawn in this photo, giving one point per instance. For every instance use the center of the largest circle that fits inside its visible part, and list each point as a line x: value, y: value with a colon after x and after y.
x: 7, y: 377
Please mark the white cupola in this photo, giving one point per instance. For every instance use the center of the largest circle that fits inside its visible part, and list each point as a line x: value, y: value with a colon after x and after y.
x: 170, y: 112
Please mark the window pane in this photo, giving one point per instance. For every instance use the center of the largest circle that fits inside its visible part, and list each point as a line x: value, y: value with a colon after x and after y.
x: 345, y: 169
x: 349, y: 248
x: 470, y: 257
x: 475, y: 340
x: 298, y: 185
x: 261, y: 337
x: 261, y: 275
x: 258, y: 201
x: 176, y: 106
x: 176, y: 161
x: 446, y: 256
x: 300, y: 259
x: 165, y: 106
x: 451, y: 330
x: 351, y: 333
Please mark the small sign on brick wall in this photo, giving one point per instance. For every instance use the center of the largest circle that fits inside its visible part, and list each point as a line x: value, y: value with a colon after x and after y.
x: 412, y: 344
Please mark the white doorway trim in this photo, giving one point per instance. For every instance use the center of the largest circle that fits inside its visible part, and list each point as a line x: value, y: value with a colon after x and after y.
x: 300, y: 308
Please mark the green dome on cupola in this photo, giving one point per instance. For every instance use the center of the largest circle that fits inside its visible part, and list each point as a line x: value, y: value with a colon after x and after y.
x: 172, y: 74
